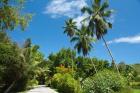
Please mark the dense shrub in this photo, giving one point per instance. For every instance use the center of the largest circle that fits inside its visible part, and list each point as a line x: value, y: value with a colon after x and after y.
x: 65, y: 83
x: 63, y: 70
x: 104, y: 82
x: 32, y: 83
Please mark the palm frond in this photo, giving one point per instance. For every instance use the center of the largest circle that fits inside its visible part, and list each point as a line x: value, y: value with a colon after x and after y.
x: 87, y: 9
x: 105, y: 5
x: 107, y: 13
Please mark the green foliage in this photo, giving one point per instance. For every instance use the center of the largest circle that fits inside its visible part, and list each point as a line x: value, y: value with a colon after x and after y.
x: 64, y: 58
x: 12, y: 16
x: 136, y: 90
x: 65, y: 83
x: 70, y: 27
x: 32, y: 83
x: 137, y: 79
x: 13, y: 66
x: 137, y: 68
x: 135, y: 85
x: 85, y: 66
x: 128, y: 71
x: 4, y: 38
x: 83, y: 42
x: 24, y: 66
x: 98, y: 13
x: 63, y: 70
x: 105, y: 81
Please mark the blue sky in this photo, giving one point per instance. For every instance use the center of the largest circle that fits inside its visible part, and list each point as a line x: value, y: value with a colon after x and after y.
x: 46, y: 30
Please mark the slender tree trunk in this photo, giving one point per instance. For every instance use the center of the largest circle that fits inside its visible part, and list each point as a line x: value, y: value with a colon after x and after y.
x: 110, y: 53
x: 72, y: 63
x: 93, y: 66
x: 94, y: 69
x: 10, y: 87
x: 72, y: 67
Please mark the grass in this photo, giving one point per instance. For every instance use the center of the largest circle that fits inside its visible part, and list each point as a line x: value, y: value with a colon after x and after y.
x: 136, y: 90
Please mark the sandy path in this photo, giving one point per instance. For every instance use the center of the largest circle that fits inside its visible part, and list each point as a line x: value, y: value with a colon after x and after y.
x: 42, y: 89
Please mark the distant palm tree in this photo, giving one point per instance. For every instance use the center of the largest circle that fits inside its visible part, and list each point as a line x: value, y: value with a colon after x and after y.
x: 83, y: 42
x: 70, y: 27
x: 98, y: 22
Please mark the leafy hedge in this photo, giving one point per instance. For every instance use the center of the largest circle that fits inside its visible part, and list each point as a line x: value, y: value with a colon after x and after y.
x: 65, y: 83
x: 105, y: 81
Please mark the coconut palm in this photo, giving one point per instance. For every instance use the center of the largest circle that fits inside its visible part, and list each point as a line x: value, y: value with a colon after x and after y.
x: 98, y: 21
x: 70, y: 27
x: 83, y: 42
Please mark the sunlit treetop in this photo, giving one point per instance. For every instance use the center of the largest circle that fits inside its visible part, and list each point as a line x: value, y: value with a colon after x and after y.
x: 12, y: 16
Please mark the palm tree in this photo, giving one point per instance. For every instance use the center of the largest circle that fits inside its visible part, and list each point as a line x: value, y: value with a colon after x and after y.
x: 70, y: 27
x: 83, y: 42
x: 98, y: 22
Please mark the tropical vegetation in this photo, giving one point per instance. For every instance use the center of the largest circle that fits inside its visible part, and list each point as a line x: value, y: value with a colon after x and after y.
x: 23, y: 67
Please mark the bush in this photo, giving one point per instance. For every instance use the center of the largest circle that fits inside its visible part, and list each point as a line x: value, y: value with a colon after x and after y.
x: 32, y: 83
x: 48, y: 81
x: 104, y: 82
x: 65, y: 83
x: 63, y: 70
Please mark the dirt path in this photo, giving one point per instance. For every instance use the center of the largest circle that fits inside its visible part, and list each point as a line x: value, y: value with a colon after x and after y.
x: 42, y: 89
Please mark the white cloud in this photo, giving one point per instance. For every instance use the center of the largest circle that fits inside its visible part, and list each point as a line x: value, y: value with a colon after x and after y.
x: 132, y: 40
x: 68, y: 8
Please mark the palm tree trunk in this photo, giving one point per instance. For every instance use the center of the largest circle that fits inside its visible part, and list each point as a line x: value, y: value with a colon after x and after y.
x: 94, y: 69
x: 110, y: 53
x: 93, y: 66
x: 72, y: 63
x: 72, y: 67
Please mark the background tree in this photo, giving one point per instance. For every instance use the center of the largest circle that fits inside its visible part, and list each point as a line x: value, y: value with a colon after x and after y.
x: 12, y: 16
x: 61, y: 59
x: 85, y: 67
x: 127, y: 71
x: 13, y: 65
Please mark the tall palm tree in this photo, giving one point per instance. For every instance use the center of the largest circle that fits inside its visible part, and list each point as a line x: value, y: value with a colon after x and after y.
x: 70, y: 28
x: 83, y: 42
x: 98, y: 21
